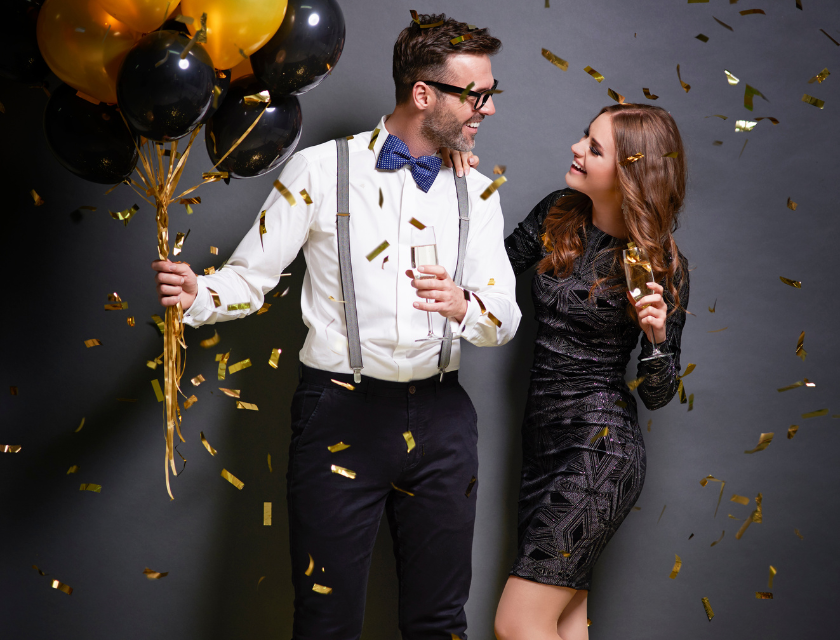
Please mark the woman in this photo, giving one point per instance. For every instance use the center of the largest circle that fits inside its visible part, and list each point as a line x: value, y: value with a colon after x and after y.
x: 584, y: 457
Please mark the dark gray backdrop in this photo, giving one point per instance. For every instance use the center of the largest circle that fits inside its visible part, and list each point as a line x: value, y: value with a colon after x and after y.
x: 737, y: 233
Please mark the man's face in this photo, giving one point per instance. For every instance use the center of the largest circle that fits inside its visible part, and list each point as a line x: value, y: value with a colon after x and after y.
x: 450, y: 122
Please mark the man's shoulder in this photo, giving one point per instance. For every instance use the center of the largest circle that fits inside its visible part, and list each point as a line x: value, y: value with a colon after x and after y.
x: 326, y: 151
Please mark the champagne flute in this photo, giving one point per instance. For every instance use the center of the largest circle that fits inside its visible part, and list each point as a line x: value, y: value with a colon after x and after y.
x: 424, y: 252
x: 638, y: 271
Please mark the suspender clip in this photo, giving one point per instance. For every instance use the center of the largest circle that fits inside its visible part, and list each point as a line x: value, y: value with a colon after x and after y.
x: 357, y: 375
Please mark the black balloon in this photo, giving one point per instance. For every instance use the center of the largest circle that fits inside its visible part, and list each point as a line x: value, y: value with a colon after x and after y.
x: 269, y: 143
x: 305, y: 48
x: 222, y: 82
x: 162, y: 96
x: 20, y: 58
x: 90, y: 140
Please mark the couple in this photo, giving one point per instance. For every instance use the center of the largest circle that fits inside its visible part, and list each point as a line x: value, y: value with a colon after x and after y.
x: 410, y: 426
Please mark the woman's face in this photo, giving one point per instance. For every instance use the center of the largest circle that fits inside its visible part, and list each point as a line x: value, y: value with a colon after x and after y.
x: 593, y: 169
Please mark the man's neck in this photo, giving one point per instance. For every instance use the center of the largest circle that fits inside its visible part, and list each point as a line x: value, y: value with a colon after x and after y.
x: 408, y: 128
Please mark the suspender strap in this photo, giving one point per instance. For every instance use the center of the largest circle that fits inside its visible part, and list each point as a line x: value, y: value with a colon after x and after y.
x: 463, y: 232
x: 348, y: 292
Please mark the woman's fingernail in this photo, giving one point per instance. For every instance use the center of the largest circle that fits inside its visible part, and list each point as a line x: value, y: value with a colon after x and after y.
x: 421, y: 269
x: 460, y: 173
x: 416, y: 305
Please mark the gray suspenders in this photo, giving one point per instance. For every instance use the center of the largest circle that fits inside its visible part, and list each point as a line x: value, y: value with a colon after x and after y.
x: 346, y: 268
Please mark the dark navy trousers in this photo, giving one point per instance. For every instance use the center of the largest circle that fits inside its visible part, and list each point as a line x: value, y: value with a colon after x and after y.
x: 428, y: 493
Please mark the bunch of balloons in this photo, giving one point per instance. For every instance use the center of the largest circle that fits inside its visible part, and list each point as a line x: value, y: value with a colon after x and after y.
x: 169, y: 68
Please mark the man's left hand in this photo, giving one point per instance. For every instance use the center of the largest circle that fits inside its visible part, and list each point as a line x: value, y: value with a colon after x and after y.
x: 443, y: 294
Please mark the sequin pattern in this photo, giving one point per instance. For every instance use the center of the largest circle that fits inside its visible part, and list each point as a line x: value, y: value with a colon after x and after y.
x: 578, y: 485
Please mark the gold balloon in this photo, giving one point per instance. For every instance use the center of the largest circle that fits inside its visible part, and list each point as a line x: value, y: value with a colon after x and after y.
x: 233, y: 25
x: 242, y: 69
x: 140, y: 15
x: 84, y: 45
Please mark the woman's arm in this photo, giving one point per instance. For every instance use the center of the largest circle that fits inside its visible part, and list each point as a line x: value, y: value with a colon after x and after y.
x: 525, y: 246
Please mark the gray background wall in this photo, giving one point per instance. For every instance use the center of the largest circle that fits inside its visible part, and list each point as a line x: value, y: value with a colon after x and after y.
x: 737, y: 233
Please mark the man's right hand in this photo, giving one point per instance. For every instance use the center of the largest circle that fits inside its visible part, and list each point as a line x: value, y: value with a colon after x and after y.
x: 175, y: 282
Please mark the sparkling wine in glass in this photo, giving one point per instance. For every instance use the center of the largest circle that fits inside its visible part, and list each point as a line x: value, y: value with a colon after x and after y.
x: 638, y: 271
x: 423, y: 253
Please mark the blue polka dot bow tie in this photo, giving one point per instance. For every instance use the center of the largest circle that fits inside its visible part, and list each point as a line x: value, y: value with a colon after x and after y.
x: 395, y: 154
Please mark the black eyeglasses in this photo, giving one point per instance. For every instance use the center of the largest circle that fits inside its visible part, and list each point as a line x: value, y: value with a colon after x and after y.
x: 481, y: 97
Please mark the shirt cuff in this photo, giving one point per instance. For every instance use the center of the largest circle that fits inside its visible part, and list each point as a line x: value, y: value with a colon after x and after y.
x: 201, y: 308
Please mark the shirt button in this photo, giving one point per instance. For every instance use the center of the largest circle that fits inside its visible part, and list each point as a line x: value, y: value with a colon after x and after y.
x: 412, y: 389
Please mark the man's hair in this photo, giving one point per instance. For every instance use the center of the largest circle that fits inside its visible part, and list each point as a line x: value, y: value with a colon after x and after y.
x: 421, y: 53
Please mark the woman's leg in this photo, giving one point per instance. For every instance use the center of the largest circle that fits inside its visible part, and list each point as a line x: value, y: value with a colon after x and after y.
x: 572, y: 623
x: 530, y: 610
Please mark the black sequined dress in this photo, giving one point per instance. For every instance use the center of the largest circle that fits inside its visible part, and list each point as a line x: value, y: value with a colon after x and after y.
x: 578, y: 485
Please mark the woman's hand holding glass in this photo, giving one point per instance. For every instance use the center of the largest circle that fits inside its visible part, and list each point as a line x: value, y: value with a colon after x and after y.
x: 651, y: 312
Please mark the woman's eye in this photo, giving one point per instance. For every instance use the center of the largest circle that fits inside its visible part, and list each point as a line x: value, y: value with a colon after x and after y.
x: 592, y: 149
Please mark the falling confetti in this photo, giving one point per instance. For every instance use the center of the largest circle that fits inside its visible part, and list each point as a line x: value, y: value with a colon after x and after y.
x: 764, y: 441
x: 593, y: 73
x: 555, y: 60
x: 685, y: 85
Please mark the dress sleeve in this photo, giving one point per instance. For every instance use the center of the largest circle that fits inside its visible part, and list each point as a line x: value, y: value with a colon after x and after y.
x: 661, y: 375
x: 524, y: 246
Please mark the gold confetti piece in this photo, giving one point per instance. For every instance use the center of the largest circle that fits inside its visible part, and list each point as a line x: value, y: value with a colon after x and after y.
x: 773, y: 120
x: 266, y: 514
x: 339, y: 446
x: 263, y: 230
x: 381, y: 198
x: 685, y: 85
x: 717, y: 115
x: 755, y: 516
x: 621, y: 403
x: 792, y: 206
x: 466, y: 91
x: 211, y: 342
x: 772, y: 575
x: 269, y: 463
x: 499, y: 169
x: 342, y: 471
x: 154, y: 575
x: 239, y: 306
x: 93, y: 342
x: 763, y: 442
x: 661, y: 513
x: 681, y: 392
x: 38, y: 199
x: 207, y: 272
x: 416, y: 223
x: 691, y: 366
x: 89, y: 486
x: 343, y: 384
x: 236, y: 482
x: 223, y: 365
x: 214, y: 250
x: 179, y: 242
x: 402, y: 490
x: 470, y: 486
x: 707, y: 608
x: 717, y: 143
x: 311, y: 566
x: 158, y: 391
x: 763, y: 595
x: 702, y: 38
x: 593, y: 73
x: 799, y: 4
x: 649, y: 95
x: 184, y: 19
x: 744, y: 125
x: 711, y: 478
x: 631, y: 159
x: 319, y: 588
x: 207, y: 445
x: 384, y: 245
x: 259, y: 581
x: 813, y: 101
x: 749, y: 92
x: 555, y: 60
x: 748, y: 12
x: 718, y: 330
x: 792, y: 429
x: 822, y: 75
x: 491, y: 282
x: 62, y: 587
x: 800, y: 348
x: 744, y: 500
x: 650, y: 422
x: 409, y: 440
x: 816, y: 414
x: 190, y: 401
x: 125, y: 215
x: 723, y: 24
x: 601, y: 434
x: 214, y: 176
x: 798, y: 383
x: 830, y: 38
x: 373, y: 138
x: 615, y: 96
x: 494, y: 319
x: 10, y: 448
x: 159, y: 322
x: 719, y: 539
x: 73, y: 469
x: 216, y: 301
x: 491, y: 189
x: 690, y: 401
x: 79, y: 428
x: 733, y: 517
x: 731, y: 79
x: 261, y: 97
x: 242, y: 364
x: 698, y: 1
x: 231, y: 393
x: 793, y: 283
x: 285, y: 193
x: 305, y: 195
x: 672, y: 154
x: 798, y: 535
x: 460, y: 39
x: 677, y: 566
x: 275, y: 357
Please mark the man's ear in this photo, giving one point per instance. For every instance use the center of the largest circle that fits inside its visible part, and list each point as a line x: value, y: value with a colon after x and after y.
x: 423, y: 96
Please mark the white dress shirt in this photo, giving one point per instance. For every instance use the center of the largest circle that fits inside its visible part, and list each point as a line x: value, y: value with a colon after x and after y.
x: 389, y: 325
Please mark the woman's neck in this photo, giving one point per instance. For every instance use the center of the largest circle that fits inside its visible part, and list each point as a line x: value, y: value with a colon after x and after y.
x: 609, y: 218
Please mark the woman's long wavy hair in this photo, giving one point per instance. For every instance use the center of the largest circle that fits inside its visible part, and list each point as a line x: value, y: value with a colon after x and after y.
x: 653, y: 189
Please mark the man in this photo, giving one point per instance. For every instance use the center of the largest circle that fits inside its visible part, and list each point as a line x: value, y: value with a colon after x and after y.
x: 401, y: 436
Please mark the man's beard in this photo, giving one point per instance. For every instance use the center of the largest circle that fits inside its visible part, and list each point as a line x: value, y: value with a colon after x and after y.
x: 443, y: 129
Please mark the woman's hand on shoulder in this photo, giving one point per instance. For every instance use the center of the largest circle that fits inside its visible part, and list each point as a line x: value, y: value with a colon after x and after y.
x: 463, y: 161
